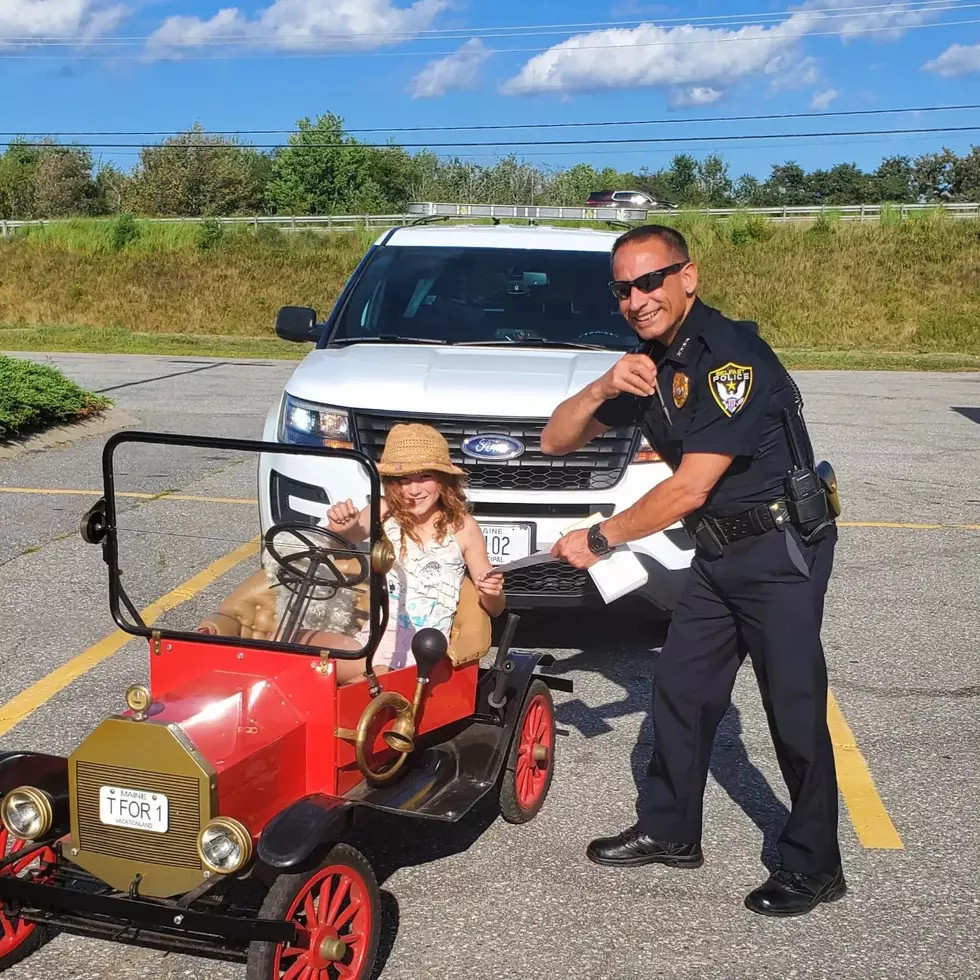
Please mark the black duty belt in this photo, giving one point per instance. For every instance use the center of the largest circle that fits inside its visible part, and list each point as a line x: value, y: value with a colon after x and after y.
x: 757, y: 520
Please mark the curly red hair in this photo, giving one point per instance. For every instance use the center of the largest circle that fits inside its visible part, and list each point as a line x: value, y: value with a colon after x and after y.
x: 453, y: 507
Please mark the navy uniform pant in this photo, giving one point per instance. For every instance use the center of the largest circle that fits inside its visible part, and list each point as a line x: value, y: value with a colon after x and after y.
x: 763, y: 597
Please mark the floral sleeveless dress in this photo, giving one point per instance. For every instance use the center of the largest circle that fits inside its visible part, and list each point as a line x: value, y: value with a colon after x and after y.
x: 423, y: 591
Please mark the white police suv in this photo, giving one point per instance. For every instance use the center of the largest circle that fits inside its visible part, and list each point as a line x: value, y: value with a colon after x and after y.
x: 481, y: 332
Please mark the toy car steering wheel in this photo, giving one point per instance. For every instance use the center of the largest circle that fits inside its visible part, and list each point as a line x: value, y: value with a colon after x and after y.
x: 318, y: 556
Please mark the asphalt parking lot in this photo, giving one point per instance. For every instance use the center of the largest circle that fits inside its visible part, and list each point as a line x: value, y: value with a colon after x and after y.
x: 489, y: 900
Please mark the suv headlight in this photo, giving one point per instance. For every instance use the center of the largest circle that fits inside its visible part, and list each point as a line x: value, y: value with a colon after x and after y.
x: 645, y: 453
x: 224, y: 846
x: 27, y: 813
x: 307, y: 424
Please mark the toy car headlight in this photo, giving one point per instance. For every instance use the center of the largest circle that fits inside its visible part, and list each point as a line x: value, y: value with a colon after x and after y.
x: 224, y: 846
x: 27, y: 813
x: 307, y: 424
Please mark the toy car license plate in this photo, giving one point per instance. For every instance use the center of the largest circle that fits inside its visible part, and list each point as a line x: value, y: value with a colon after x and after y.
x: 507, y: 542
x: 134, y: 808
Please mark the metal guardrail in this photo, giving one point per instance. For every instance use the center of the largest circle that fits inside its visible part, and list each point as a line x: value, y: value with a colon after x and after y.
x: 846, y: 212
x: 534, y: 212
x: 339, y: 222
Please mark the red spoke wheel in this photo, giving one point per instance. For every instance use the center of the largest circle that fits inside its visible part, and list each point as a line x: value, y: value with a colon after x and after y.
x: 530, y: 767
x: 18, y: 939
x: 337, y: 909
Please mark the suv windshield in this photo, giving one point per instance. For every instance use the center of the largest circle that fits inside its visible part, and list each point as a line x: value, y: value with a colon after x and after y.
x: 472, y: 295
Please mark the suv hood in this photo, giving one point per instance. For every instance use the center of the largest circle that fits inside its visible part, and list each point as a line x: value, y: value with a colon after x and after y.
x: 518, y: 382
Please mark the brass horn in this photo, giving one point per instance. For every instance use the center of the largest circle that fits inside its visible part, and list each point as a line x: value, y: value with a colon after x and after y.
x: 429, y: 646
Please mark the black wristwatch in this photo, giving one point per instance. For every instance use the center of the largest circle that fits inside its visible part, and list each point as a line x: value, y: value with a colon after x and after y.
x: 598, y: 544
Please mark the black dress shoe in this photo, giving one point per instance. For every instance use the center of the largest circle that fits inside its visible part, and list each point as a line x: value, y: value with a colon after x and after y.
x: 631, y: 848
x: 795, y: 893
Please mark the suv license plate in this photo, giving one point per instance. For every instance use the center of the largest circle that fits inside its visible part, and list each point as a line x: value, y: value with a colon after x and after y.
x: 507, y: 542
x: 134, y: 808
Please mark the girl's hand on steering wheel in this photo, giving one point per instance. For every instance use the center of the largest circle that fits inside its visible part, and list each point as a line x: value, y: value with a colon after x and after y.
x: 343, y: 514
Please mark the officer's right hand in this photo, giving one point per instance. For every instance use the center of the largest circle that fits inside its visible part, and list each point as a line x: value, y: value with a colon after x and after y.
x: 343, y: 514
x: 634, y: 374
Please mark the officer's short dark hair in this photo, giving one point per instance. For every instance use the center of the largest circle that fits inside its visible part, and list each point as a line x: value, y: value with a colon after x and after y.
x: 644, y: 233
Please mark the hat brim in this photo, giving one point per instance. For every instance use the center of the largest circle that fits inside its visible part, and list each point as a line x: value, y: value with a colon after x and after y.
x: 409, y: 469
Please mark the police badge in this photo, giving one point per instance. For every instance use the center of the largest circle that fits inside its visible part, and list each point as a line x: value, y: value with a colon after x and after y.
x: 680, y: 388
x: 731, y: 385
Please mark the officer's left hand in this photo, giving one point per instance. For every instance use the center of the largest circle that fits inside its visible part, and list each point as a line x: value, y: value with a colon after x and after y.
x: 574, y: 548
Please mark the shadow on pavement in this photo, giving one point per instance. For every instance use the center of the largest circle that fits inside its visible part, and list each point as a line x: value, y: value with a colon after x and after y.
x: 623, y: 648
x: 391, y: 842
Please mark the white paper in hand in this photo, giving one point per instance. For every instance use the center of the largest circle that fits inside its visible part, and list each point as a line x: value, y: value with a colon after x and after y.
x: 538, y: 558
x: 616, y: 574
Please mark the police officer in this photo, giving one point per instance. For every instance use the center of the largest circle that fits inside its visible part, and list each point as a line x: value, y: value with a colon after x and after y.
x: 716, y: 403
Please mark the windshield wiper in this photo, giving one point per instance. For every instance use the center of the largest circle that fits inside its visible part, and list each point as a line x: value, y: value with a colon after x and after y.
x: 384, y: 338
x: 530, y: 342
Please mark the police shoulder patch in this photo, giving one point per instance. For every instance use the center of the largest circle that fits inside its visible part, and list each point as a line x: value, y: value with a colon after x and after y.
x: 730, y: 384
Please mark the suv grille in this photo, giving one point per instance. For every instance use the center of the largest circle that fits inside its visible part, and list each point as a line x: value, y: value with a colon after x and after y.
x: 597, y: 466
x: 550, y: 580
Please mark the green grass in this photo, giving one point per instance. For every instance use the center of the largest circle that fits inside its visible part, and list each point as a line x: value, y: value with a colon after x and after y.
x: 899, y: 292
x: 34, y: 397
x: 119, y: 341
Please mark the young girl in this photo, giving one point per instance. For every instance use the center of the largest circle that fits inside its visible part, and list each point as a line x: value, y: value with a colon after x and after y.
x: 436, y: 542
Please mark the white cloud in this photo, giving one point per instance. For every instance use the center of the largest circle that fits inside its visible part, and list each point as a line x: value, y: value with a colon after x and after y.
x: 654, y: 56
x: 695, y: 95
x: 82, y: 20
x: 884, y: 24
x: 455, y: 72
x: 708, y: 57
x: 793, y: 72
x: 958, y: 59
x: 319, y: 25
x: 821, y: 100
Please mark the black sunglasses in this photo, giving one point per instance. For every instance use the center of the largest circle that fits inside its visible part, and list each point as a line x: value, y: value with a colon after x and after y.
x: 647, y: 283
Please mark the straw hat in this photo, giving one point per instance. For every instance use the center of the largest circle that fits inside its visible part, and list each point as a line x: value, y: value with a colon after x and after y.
x: 414, y: 448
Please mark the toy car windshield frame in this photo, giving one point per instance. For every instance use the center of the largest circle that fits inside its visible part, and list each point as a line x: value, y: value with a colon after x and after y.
x: 98, y: 526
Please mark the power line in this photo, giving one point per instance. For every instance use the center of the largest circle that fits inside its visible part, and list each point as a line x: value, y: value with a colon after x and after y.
x: 739, y: 137
x: 360, y: 53
x: 680, y: 147
x: 537, y: 30
x: 505, y: 126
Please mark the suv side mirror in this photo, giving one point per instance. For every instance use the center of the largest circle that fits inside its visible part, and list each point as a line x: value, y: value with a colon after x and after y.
x: 297, y: 323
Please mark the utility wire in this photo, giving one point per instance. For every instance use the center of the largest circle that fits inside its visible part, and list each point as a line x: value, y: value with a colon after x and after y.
x: 538, y: 30
x: 740, y: 137
x: 360, y: 53
x: 504, y: 126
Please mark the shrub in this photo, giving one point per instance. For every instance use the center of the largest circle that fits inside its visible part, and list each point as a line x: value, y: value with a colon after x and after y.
x: 209, y: 234
x: 123, y: 231
x: 35, y: 396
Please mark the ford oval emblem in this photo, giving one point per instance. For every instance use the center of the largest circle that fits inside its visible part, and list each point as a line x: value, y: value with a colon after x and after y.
x: 492, y: 447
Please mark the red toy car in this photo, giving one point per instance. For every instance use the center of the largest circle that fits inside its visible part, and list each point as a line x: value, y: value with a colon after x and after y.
x: 210, y: 817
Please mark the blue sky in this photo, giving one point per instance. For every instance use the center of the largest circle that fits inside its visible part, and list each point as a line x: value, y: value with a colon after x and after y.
x: 164, y: 64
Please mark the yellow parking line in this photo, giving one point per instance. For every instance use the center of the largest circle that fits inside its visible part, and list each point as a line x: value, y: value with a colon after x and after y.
x: 163, y: 495
x: 871, y: 821
x: 911, y: 527
x: 167, y: 495
x: 28, y: 701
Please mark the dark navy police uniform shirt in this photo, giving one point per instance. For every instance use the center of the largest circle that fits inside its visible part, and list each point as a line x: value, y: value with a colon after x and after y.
x: 721, y: 389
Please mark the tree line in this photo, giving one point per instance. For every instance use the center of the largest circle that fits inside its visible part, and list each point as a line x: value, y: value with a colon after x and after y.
x: 324, y: 170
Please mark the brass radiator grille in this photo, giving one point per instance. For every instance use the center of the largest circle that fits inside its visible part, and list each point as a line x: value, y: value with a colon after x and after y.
x: 177, y: 848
